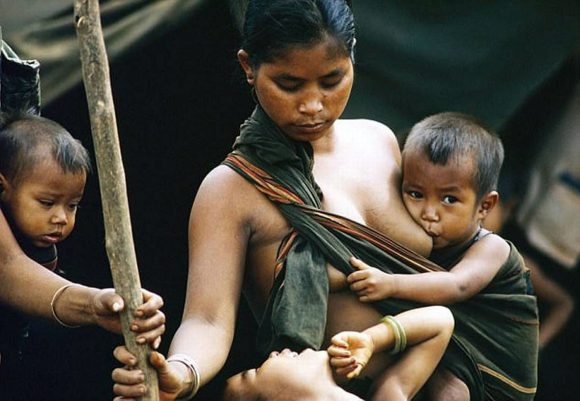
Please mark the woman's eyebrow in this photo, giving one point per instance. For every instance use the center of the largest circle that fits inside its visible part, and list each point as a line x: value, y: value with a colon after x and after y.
x: 287, y: 77
x: 334, y: 73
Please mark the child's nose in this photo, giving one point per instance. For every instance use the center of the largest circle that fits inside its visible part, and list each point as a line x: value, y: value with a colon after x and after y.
x: 59, y: 216
x: 430, y: 213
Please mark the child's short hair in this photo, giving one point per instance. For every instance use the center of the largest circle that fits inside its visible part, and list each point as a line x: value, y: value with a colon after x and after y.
x: 450, y: 134
x: 25, y: 140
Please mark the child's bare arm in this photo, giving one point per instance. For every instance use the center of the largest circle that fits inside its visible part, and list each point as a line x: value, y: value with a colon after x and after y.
x: 350, y: 351
x: 467, y: 278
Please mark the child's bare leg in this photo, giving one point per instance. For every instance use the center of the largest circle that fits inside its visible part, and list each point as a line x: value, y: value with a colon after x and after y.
x: 445, y: 386
x: 428, y: 333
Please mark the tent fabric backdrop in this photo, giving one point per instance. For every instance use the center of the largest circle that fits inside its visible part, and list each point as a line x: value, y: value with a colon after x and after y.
x: 44, y: 30
x: 416, y: 58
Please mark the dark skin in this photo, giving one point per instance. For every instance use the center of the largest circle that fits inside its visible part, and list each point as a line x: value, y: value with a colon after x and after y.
x: 78, y: 304
x: 304, y: 92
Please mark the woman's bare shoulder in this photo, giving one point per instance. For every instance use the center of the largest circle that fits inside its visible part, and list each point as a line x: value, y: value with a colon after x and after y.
x: 370, y: 137
x: 223, y: 188
x: 374, y: 132
x: 367, y: 126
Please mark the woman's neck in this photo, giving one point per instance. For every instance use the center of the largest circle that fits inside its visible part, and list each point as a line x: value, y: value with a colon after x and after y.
x: 326, y: 143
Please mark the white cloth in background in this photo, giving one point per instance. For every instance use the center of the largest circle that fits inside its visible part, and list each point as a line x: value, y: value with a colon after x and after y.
x: 550, y: 211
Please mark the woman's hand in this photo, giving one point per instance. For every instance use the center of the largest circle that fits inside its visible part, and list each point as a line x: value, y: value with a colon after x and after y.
x: 349, y: 352
x: 129, y: 382
x: 149, y: 323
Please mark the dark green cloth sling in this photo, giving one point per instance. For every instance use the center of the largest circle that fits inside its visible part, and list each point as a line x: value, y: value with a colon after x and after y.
x: 494, y: 347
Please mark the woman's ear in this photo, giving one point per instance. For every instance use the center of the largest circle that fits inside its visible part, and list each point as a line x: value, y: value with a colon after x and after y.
x: 3, y: 184
x: 488, y: 202
x: 244, y: 60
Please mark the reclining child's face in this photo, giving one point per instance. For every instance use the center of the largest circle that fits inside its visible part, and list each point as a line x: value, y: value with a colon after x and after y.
x: 43, y: 203
x: 284, y: 375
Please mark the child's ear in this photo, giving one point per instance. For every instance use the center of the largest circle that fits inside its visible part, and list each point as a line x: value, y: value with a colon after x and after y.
x: 488, y: 202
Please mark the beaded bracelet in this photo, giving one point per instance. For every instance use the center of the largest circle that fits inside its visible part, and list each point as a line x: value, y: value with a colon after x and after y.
x: 194, y: 372
x: 55, y: 297
x: 398, y: 333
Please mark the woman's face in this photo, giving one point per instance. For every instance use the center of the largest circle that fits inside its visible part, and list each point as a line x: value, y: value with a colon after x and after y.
x: 305, y: 89
x: 284, y: 373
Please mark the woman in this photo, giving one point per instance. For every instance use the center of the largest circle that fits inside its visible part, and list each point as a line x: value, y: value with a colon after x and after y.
x: 297, y: 55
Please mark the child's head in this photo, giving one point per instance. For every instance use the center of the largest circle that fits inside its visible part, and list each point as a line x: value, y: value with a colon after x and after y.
x: 451, y: 165
x: 43, y: 171
x: 288, y: 376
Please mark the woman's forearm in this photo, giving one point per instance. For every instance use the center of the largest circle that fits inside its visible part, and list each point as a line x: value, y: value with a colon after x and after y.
x: 31, y: 289
x: 207, y: 344
x: 27, y: 286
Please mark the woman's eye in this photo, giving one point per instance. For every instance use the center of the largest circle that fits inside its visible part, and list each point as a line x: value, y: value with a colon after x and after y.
x: 47, y: 203
x: 415, y: 194
x: 449, y: 199
x: 331, y: 84
x: 287, y: 87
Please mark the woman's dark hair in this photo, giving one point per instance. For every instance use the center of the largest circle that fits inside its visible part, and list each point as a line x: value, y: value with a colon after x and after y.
x: 273, y: 26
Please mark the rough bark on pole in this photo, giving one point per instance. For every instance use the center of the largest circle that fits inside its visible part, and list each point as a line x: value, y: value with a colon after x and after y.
x: 119, y: 237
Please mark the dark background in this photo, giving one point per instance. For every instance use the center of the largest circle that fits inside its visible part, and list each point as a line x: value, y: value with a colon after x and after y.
x: 179, y: 102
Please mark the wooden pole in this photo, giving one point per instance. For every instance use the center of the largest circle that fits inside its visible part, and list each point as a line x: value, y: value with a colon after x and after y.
x: 119, y: 238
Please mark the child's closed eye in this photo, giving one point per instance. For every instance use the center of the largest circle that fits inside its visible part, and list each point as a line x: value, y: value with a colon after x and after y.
x: 46, y: 202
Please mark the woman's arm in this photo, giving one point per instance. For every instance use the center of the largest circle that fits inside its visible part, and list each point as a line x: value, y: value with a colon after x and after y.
x: 30, y: 288
x: 24, y: 284
x: 218, y: 237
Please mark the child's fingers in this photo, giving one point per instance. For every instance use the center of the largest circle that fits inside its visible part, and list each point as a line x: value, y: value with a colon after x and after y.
x: 339, y: 341
x: 365, y: 298
x: 338, y: 352
x: 356, y: 276
x: 341, y: 363
x: 347, y: 370
x: 355, y: 372
x: 358, y: 264
x: 358, y: 286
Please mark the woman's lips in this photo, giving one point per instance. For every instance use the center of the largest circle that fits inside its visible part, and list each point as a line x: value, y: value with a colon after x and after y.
x: 315, y: 127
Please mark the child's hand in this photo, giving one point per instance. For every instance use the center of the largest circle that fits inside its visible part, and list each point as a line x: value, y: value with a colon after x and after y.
x: 370, y: 283
x: 349, y: 352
